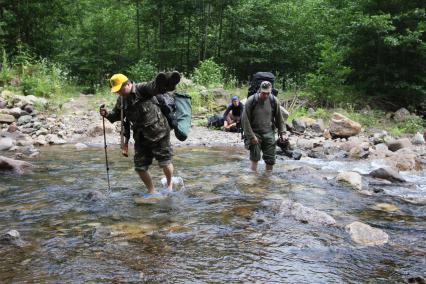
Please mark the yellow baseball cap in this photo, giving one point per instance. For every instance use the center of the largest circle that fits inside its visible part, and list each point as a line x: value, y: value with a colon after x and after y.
x: 116, y: 81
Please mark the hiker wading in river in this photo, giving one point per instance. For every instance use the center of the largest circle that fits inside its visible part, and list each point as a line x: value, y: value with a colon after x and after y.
x: 138, y: 107
x: 262, y: 114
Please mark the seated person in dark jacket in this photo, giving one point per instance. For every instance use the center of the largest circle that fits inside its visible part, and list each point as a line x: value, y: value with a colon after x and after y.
x: 232, y: 115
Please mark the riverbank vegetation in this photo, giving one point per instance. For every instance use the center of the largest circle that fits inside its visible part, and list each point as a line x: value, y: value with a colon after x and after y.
x: 365, y: 57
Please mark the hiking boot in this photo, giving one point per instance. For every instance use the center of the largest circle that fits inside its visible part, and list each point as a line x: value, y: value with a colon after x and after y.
x: 173, y: 78
x: 160, y: 83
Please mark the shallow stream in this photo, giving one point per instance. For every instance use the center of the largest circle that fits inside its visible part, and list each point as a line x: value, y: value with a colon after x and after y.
x: 216, y: 230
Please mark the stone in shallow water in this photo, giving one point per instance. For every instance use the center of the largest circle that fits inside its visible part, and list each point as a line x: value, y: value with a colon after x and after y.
x: 386, y: 207
x: 148, y: 200
x: 366, y: 235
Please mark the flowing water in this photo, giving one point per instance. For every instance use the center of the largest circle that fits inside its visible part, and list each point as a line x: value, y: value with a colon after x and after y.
x: 216, y: 230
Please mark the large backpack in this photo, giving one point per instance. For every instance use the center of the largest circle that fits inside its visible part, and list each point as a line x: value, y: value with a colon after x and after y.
x: 258, y: 78
x: 178, y: 111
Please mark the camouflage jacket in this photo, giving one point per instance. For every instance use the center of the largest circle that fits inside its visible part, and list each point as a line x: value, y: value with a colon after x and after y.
x: 142, y: 113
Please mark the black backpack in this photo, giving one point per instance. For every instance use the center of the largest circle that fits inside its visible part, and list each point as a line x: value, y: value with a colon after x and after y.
x: 215, y: 121
x: 258, y: 78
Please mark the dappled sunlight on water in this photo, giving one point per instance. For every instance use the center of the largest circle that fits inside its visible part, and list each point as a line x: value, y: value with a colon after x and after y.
x: 216, y: 230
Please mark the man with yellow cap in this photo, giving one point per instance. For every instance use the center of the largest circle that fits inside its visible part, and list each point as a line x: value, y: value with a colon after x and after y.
x: 151, y: 130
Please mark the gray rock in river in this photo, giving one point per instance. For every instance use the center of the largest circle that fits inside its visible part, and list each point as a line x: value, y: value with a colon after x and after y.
x: 366, y: 235
x: 13, y: 238
x: 305, y: 214
x: 13, y: 165
x: 387, y: 174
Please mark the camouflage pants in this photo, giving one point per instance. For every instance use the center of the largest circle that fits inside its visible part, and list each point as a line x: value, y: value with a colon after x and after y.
x: 146, y: 151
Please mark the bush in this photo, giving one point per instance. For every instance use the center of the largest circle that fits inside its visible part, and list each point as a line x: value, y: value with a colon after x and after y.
x: 209, y: 74
x: 142, y: 71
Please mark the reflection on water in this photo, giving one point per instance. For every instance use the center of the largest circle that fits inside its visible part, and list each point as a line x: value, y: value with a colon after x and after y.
x: 215, y: 231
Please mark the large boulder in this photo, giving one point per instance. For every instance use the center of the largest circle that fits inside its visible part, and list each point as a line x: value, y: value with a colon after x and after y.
x: 395, y: 145
x: 387, y: 174
x: 352, y: 179
x: 401, y: 115
x: 366, y: 235
x: 343, y: 127
x: 9, y: 164
x: 7, y: 118
x: 305, y: 214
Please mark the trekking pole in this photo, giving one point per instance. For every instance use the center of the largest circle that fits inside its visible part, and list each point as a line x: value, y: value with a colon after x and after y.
x: 106, y: 153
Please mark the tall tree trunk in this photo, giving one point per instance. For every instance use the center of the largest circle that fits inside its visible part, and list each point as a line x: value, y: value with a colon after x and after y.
x: 138, y: 32
x: 188, y: 40
x: 219, y: 41
x: 160, y: 35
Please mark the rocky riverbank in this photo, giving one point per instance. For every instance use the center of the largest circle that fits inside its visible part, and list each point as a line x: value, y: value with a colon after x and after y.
x: 24, y: 129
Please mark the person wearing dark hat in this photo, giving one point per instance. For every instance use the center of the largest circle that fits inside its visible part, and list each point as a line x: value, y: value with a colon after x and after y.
x: 138, y: 106
x: 232, y: 115
x: 261, y: 118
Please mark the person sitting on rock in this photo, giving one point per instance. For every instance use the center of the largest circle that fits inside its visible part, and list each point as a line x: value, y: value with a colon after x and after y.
x: 232, y: 115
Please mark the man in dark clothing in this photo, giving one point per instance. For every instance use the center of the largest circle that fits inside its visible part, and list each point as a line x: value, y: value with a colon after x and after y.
x: 259, y: 123
x: 151, y: 130
x: 232, y: 115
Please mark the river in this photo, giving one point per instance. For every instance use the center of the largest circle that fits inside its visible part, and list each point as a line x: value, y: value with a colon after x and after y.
x: 216, y: 230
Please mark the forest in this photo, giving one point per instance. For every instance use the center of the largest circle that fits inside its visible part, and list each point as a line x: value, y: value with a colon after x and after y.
x: 359, y: 51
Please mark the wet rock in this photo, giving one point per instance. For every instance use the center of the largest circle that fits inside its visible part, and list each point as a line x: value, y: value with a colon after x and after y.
x: 416, y: 280
x: 3, y: 104
x: 13, y: 165
x: 12, y: 128
x: 80, y: 146
x: 13, y: 238
x: 401, y: 115
x: 341, y: 126
x: 95, y: 195
x: 7, y: 118
x: 299, y: 125
x: 318, y: 126
x: 305, y: 144
x: 395, y: 145
x: 366, y: 235
x: 387, y: 174
x: 305, y: 214
x: 353, y: 179
x: 6, y: 143
x: 386, y: 207
x: 418, y: 139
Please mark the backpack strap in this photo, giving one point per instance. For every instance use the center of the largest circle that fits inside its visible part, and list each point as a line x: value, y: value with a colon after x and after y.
x: 273, y: 102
